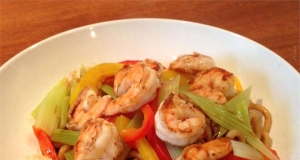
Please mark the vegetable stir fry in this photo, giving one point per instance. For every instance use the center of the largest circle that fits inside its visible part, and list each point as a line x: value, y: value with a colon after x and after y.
x: 140, y: 109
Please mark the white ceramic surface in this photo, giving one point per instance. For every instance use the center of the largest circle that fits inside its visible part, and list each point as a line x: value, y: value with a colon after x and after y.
x: 26, y: 78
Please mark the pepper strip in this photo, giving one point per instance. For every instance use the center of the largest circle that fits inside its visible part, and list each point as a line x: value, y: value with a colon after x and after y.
x: 169, y: 74
x: 237, y: 84
x: 146, y: 150
x: 45, y: 143
x: 158, y: 145
x: 94, y: 78
x: 133, y: 134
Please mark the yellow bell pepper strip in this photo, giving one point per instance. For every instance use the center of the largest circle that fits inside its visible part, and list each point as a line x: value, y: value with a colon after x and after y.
x: 121, y: 122
x: 146, y: 150
x: 45, y: 143
x: 237, y: 84
x: 184, y: 78
x: 94, y: 78
x: 133, y: 134
x: 110, y: 80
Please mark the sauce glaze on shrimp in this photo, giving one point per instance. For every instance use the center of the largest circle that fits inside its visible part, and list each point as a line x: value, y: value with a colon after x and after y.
x: 87, y: 106
x: 215, y: 83
x: 98, y: 139
x: 179, y: 123
x: 135, y: 85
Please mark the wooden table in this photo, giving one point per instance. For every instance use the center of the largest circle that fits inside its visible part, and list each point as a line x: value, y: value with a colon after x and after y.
x: 272, y: 24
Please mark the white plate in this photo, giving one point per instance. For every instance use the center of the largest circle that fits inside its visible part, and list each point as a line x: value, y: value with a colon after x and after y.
x: 27, y: 77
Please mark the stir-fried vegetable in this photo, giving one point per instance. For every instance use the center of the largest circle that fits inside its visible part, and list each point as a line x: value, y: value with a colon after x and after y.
x: 65, y: 136
x: 121, y: 123
x: 137, y: 129
x: 158, y: 145
x: 109, y: 90
x: 133, y: 134
x: 170, y: 74
x: 239, y: 106
x: 170, y: 86
x: 45, y: 143
x: 94, y: 77
x: 245, y: 151
x: 145, y: 149
x: 69, y: 155
x: 237, y: 84
x: 49, y: 113
x: 64, y: 112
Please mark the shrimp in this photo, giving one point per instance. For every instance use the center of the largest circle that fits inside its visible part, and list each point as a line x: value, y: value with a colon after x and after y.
x: 192, y: 63
x: 215, y: 83
x: 179, y: 123
x: 87, y: 106
x: 98, y: 139
x: 158, y: 67
x: 135, y: 85
x: 215, y: 149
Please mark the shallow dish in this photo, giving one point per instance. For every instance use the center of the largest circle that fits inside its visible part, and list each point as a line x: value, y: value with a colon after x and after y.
x: 26, y: 78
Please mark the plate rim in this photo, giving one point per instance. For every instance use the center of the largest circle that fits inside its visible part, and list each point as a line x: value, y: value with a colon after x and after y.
x: 130, y: 20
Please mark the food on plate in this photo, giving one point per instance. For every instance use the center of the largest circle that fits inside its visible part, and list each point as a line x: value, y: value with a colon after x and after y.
x: 139, y: 109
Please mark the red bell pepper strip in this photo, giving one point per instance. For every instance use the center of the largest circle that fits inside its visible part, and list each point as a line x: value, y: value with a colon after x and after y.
x: 109, y: 81
x: 133, y: 134
x: 154, y: 103
x: 231, y: 156
x: 45, y: 143
x: 158, y: 145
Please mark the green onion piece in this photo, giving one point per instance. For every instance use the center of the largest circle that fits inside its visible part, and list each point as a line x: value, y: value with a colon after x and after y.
x: 69, y: 155
x: 243, y: 96
x: 170, y: 86
x: 109, y: 90
x: 225, y: 118
x: 48, y: 116
x: 65, y: 136
x: 174, y: 151
x: 73, y: 84
x: 136, y: 121
x: 64, y: 112
x: 82, y: 70
x: 243, y: 114
x: 121, y: 122
x: 241, y: 110
x: 244, y: 150
x: 53, y: 91
x: 184, y: 88
x: 221, y: 132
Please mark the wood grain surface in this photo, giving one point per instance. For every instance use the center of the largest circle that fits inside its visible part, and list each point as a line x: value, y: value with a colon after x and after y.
x: 274, y: 24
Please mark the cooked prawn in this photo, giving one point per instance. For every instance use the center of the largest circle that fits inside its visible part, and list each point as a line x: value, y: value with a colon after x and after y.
x: 98, y: 139
x: 158, y: 67
x: 192, y: 63
x: 87, y: 106
x: 135, y: 85
x: 178, y: 122
x: 215, y: 83
x: 215, y: 149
